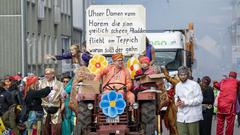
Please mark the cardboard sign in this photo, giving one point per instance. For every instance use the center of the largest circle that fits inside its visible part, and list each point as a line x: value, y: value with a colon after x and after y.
x: 152, y: 78
x: 115, y: 29
x: 89, y: 87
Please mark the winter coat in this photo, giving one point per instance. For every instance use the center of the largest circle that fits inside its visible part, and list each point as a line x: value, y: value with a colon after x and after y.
x: 33, y: 99
x: 9, y: 119
x: 5, y: 100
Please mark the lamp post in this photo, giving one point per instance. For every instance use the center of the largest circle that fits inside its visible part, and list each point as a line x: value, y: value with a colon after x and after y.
x: 22, y: 38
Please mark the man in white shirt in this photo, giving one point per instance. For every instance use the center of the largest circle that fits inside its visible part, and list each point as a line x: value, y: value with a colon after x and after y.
x: 188, y: 99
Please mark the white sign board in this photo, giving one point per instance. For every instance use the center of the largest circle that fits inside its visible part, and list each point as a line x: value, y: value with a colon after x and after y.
x: 115, y: 29
x: 166, y: 40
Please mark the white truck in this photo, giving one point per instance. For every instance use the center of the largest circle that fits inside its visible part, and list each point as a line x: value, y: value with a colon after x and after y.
x: 174, y: 48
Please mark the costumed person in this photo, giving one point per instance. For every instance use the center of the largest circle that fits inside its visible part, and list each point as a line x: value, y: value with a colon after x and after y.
x: 216, y: 93
x: 150, y: 52
x: 68, y: 115
x: 81, y: 74
x: 226, y: 104
x: 146, y: 67
x: 207, y: 106
x: 170, y: 116
x: 15, y: 88
x: 10, y: 119
x: 78, y: 57
x: 117, y: 73
x: 11, y: 85
x: 188, y: 99
x: 53, y: 104
x: 33, y: 101
x: 5, y: 99
x: 238, y: 108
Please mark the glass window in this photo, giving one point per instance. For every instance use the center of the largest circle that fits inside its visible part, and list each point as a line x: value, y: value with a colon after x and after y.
x: 65, y: 43
x: 171, y: 59
x: 55, y: 47
x: 65, y: 46
x: 65, y: 6
x: 29, y: 46
x: 41, y: 9
x: 39, y: 44
x: 34, y: 49
x: 69, y: 7
x: 50, y: 45
x: 62, y: 6
x: 66, y: 64
x: 45, y: 47
x: 49, y: 3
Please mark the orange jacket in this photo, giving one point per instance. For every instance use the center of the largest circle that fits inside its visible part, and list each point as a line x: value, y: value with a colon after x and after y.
x: 111, y: 74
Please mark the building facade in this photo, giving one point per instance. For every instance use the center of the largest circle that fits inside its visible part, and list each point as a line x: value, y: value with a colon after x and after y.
x: 10, y: 37
x: 235, y: 35
x: 47, y: 29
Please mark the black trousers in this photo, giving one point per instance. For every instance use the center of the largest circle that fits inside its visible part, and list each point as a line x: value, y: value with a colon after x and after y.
x: 206, y: 124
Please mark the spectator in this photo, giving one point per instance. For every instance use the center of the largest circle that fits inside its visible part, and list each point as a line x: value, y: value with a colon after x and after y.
x: 207, y: 106
x: 68, y: 115
x: 15, y: 92
x: 33, y: 102
x: 10, y: 117
x: 53, y: 104
x: 5, y: 98
x: 188, y: 99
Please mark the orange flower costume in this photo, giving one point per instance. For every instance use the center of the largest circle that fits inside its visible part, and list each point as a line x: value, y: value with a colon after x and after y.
x: 112, y: 74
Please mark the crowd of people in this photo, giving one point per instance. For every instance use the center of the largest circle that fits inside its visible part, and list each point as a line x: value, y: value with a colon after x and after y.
x: 32, y: 105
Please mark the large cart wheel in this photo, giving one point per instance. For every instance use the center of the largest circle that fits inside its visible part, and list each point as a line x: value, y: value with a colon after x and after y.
x: 148, y: 117
x: 84, y: 119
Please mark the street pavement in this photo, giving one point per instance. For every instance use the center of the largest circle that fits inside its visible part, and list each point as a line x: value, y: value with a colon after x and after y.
x: 214, y: 124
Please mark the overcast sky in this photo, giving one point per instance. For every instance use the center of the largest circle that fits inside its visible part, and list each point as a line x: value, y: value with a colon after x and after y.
x: 212, y: 19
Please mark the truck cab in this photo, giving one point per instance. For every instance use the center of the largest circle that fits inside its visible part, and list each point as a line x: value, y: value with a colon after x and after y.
x: 172, y: 48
